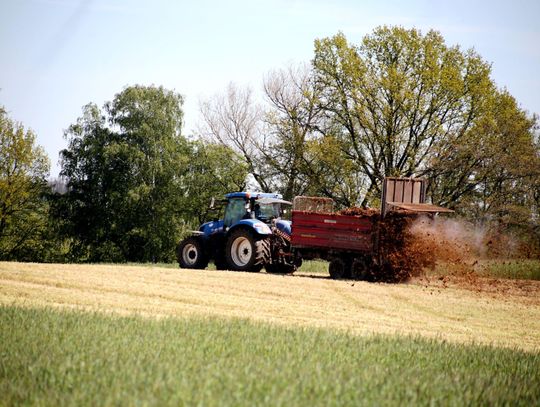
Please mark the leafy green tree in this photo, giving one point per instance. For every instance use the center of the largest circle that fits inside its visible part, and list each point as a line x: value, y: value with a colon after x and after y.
x: 213, y: 170
x: 123, y: 168
x: 494, y: 167
x: 149, y: 121
x: 24, y: 167
x: 135, y: 184
x: 398, y: 99
x: 96, y: 167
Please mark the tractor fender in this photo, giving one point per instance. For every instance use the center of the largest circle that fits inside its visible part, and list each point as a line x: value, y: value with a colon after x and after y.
x: 284, y: 226
x: 210, y: 228
x: 260, y: 228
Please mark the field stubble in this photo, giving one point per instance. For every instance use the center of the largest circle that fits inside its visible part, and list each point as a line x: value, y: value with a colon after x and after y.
x: 509, y: 318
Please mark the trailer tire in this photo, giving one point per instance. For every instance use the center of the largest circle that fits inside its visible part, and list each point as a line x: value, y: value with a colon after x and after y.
x: 339, y: 269
x: 246, y: 252
x: 360, y: 270
x: 190, y: 254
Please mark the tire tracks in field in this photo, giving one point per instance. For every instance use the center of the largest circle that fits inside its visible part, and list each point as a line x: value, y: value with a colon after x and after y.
x: 87, y: 289
x: 425, y: 309
x: 415, y: 308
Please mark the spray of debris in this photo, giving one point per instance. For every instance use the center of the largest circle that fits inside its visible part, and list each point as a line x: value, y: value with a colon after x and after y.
x: 412, y: 245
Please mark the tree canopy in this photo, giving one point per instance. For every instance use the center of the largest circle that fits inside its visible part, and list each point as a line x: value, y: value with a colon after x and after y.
x: 400, y: 103
x: 134, y: 182
x: 397, y: 99
x: 24, y: 167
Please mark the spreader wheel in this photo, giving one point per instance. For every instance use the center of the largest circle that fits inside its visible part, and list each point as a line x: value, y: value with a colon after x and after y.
x: 338, y: 269
x: 360, y: 269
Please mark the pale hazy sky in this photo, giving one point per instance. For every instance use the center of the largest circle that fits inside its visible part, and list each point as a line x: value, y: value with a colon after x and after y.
x: 58, y: 55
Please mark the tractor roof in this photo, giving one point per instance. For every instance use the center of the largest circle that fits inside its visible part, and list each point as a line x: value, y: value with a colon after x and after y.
x: 247, y: 195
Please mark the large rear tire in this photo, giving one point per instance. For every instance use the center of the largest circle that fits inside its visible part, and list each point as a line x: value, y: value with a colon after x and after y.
x: 190, y: 254
x: 247, y: 252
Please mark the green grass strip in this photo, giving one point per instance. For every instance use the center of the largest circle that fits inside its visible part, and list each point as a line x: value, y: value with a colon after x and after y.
x: 514, y: 269
x: 53, y: 357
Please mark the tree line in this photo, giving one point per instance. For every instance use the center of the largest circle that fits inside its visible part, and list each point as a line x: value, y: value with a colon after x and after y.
x: 400, y: 103
x: 133, y: 183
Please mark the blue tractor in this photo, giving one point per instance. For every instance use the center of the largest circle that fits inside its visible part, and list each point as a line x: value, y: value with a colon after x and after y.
x: 251, y: 235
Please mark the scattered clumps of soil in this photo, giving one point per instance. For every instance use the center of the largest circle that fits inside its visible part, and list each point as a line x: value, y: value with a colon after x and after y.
x: 412, y: 244
x: 403, y: 254
x: 526, y: 291
x: 442, y: 240
x: 462, y: 249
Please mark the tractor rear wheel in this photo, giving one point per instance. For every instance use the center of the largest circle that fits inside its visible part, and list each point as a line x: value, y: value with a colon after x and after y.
x: 190, y: 254
x: 246, y: 251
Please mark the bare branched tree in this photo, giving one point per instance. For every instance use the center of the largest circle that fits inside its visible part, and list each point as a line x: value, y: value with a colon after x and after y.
x: 234, y: 119
x: 291, y: 121
x: 304, y: 154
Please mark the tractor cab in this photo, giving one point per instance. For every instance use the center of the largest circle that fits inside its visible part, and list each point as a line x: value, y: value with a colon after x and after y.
x: 264, y: 207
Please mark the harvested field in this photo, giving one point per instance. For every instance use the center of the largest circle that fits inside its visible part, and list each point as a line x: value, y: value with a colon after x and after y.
x: 508, y: 318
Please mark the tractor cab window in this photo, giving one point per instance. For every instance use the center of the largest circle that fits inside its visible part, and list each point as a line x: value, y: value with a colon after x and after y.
x: 236, y: 210
x: 267, y: 212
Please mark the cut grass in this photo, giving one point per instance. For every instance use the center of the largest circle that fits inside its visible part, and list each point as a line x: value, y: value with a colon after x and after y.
x: 510, y: 318
x: 54, y: 357
x: 518, y: 269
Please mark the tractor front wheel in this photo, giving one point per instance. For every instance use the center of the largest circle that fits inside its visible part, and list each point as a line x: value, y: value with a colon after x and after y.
x: 190, y: 254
